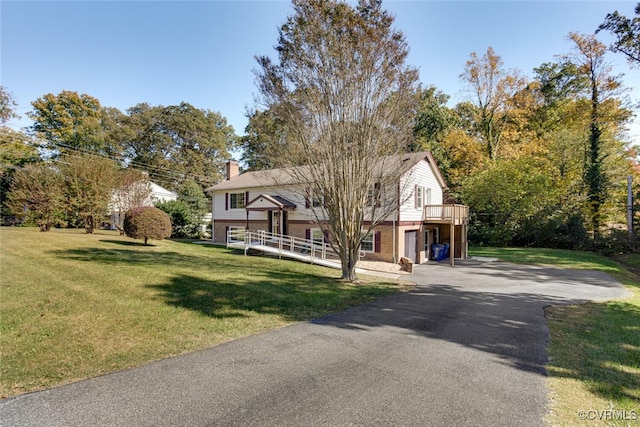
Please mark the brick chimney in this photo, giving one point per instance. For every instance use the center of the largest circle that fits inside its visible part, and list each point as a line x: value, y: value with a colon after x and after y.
x: 233, y: 169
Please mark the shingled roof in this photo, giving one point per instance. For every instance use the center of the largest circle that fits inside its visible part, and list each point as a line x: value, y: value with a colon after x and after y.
x: 287, y: 176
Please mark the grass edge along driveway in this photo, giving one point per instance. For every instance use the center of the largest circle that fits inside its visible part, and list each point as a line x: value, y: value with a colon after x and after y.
x: 76, y: 305
x: 594, y: 348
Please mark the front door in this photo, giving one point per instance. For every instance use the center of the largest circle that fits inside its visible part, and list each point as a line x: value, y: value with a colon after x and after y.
x: 410, y: 242
x: 275, y: 222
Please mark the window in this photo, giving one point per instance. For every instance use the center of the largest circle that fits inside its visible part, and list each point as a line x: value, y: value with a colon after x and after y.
x: 419, y: 196
x: 317, y: 235
x: 237, y: 201
x: 368, y: 244
x: 313, y: 199
x: 422, y: 196
x: 316, y: 201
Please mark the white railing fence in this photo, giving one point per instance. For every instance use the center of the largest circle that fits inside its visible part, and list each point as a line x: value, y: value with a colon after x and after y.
x: 311, y: 249
x: 283, y: 244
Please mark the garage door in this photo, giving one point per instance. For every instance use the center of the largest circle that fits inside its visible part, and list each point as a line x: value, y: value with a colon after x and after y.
x: 410, y: 242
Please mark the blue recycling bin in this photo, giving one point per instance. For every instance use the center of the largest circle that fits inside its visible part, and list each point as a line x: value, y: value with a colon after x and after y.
x: 446, y: 251
x: 438, y: 252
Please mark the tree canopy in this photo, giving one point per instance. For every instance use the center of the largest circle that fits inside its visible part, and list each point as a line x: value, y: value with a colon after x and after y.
x: 178, y: 142
x: 342, y: 89
x: 69, y: 121
x: 627, y: 34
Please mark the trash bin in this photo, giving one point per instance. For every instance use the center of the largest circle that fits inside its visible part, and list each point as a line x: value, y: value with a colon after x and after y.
x: 446, y: 251
x: 438, y: 252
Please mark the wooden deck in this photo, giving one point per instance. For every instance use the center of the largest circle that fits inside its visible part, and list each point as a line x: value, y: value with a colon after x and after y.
x: 446, y: 214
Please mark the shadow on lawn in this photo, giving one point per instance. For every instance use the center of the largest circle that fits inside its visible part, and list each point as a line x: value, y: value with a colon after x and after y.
x: 124, y: 243
x: 601, y: 346
x: 291, y: 295
x: 225, y: 285
x: 139, y: 254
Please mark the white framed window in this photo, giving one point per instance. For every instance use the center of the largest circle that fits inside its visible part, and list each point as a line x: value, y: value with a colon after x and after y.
x: 368, y: 243
x: 427, y: 196
x: 317, y: 200
x: 419, y: 196
x: 313, y: 198
x: 237, y: 201
x: 317, y: 235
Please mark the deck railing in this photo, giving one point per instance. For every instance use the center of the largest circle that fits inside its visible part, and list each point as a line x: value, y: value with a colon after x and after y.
x: 450, y: 214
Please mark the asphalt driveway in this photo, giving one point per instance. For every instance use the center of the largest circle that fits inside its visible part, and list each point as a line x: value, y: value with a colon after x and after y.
x: 465, y: 348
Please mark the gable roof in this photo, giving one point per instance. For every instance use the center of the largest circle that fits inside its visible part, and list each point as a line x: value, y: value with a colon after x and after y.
x: 278, y: 177
x: 161, y: 193
x: 268, y: 202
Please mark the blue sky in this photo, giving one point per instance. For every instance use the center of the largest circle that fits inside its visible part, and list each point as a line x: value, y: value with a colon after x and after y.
x: 202, y: 52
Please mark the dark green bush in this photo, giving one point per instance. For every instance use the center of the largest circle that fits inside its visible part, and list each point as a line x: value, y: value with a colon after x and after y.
x: 147, y: 222
x: 183, y: 222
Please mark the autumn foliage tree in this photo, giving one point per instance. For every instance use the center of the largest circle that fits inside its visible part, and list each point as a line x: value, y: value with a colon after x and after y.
x: 343, y: 91
x: 37, y: 195
x: 90, y: 181
x: 605, y: 113
x: 493, y: 90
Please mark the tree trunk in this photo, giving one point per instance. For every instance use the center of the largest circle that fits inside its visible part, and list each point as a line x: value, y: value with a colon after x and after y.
x: 595, y: 176
x: 88, y: 224
x: 349, y: 261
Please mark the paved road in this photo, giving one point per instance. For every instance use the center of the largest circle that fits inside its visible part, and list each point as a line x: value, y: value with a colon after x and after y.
x: 465, y: 348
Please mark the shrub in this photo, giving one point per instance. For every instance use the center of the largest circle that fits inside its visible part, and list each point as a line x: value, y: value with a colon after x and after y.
x: 147, y: 222
x: 184, y: 225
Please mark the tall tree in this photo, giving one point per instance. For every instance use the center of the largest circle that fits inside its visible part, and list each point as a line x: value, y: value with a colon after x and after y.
x: 627, y: 33
x: 262, y: 143
x: 16, y: 148
x: 179, y: 142
x: 90, y: 181
x: 199, y: 204
x: 344, y: 93
x: 7, y: 106
x: 507, y: 193
x: 492, y: 90
x: 604, y: 114
x: 37, y: 195
x: 69, y: 122
x: 434, y: 121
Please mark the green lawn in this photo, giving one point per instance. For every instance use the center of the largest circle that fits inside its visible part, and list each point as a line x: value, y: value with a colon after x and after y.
x: 594, y: 349
x: 74, y: 305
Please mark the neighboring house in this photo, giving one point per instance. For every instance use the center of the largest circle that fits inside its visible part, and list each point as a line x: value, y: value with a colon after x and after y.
x: 270, y: 201
x: 142, y: 193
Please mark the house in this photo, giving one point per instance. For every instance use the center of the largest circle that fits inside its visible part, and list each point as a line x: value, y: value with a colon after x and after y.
x: 141, y: 193
x: 271, y: 201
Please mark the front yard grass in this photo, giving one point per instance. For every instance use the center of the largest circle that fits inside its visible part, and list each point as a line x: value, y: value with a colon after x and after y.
x: 76, y: 305
x: 594, y: 349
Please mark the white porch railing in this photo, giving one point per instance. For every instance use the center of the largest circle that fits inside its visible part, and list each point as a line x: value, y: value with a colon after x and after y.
x: 283, y: 245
